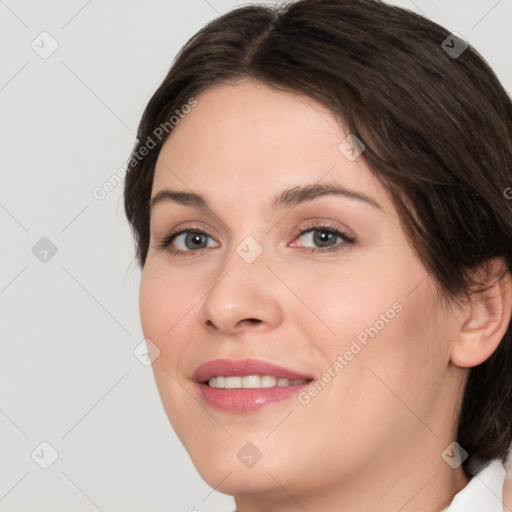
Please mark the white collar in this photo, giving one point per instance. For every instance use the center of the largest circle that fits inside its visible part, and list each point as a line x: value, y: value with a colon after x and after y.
x: 484, y: 492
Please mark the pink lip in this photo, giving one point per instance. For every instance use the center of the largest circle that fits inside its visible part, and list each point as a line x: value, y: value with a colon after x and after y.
x: 245, y: 400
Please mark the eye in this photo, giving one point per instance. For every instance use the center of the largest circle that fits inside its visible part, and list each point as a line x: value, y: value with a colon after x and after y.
x: 324, y: 235
x: 192, y: 240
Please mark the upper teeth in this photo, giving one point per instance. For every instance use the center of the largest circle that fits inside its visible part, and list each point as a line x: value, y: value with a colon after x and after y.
x: 252, y: 381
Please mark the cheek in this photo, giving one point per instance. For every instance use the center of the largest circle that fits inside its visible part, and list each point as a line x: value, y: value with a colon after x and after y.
x: 387, y: 318
x: 404, y: 363
x: 166, y: 309
x: 349, y: 301
x: 166, y: 305
x: 387, y: 384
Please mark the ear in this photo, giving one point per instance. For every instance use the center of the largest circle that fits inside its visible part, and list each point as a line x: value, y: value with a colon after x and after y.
x: 486, y: 316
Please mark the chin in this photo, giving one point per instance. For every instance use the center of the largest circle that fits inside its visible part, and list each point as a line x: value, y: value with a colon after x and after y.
x: 235, y: 479
x: 237, y: 465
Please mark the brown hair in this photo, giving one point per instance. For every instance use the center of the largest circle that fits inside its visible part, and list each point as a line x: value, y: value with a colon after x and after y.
x: 438, y: 134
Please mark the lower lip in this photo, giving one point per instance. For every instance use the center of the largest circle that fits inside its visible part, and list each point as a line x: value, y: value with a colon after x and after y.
x: 247, y: 400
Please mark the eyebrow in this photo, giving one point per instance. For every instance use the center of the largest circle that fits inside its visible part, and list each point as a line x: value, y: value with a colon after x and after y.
x: 286, y: 199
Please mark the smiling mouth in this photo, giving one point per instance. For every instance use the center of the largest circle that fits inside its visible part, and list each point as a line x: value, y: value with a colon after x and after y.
x: 252, y: 382
x: 246, y: 385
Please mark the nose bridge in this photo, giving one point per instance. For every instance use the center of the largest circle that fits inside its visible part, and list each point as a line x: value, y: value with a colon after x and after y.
x: 249, y: 233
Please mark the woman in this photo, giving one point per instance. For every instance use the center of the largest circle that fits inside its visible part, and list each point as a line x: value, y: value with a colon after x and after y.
x: 318, y: 195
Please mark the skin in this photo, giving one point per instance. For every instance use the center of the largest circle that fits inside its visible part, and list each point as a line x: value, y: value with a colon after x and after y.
x: 372, y: 439
x: 507, y: 486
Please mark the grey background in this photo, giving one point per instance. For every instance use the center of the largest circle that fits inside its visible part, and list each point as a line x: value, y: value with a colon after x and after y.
x: 70, y: 322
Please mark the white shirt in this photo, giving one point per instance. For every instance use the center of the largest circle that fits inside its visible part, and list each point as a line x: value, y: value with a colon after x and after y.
x: 483, y: 493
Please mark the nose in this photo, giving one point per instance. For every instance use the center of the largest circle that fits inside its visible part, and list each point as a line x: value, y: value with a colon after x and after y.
x: 243, y: 296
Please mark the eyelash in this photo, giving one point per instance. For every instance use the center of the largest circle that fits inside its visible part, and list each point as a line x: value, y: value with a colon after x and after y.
x: 329, y: 228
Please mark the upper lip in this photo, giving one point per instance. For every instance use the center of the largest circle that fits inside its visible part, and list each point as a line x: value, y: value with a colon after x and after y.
x: 241, y: 367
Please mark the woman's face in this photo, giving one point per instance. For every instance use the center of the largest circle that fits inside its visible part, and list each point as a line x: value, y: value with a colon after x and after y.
x: 362, y: 321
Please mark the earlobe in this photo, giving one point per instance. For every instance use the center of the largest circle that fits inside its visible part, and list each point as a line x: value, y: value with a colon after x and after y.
x: 486, y: 317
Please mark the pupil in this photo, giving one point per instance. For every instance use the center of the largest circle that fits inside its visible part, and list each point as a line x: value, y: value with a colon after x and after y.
x: 322, y: 237
x: 196, y: 238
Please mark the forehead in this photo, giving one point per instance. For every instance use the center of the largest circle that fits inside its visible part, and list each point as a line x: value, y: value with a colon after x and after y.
x: 249, y: 138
